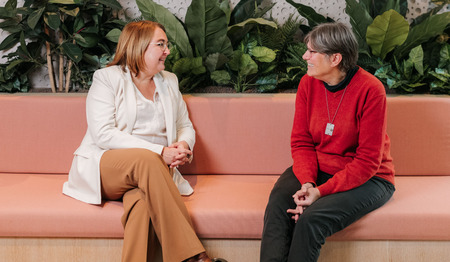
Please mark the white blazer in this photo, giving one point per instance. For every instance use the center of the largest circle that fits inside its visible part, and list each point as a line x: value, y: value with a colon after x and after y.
x: 111, y: 114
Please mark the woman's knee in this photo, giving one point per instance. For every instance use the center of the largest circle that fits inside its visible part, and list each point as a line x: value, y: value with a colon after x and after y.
x: 145, y: 156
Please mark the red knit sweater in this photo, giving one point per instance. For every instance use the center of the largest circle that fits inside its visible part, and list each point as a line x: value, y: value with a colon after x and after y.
x: 359, y: 146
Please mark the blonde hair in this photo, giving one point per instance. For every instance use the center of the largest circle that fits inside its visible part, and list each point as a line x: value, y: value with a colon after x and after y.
x: 133, y: 42
x: 333, y: 38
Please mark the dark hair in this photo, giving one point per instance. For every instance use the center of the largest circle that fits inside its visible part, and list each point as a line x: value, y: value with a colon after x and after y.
x: 333, y: 38
x: 133, y: 41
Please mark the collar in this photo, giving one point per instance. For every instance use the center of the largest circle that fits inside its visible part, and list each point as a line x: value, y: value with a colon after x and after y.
x: 343, y: 83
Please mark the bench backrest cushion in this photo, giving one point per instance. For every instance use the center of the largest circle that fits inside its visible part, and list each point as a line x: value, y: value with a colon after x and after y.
x: 419, y: 128
x: 236, y: 134
x: 39, y: 133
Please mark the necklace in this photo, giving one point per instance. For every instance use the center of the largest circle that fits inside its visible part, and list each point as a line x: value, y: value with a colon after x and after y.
x: 330, y: 126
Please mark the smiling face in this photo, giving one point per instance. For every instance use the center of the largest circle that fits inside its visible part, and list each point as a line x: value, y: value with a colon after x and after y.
x: 155, y: 56
x: 319, y: 64
x: 322, y: 66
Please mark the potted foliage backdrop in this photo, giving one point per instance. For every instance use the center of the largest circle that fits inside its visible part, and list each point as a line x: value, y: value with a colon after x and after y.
x: 78, y: 36
x: 406, y: 57
x: 217, y: 45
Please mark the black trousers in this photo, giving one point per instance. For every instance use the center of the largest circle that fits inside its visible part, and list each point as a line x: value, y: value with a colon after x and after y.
x: 284, y: 240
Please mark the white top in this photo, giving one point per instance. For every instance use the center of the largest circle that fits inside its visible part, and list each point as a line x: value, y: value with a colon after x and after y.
x: 111, y: 114
x: 150, y: 122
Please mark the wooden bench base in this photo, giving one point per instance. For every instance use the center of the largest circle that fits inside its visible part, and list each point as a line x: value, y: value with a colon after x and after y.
x: 109, y: 250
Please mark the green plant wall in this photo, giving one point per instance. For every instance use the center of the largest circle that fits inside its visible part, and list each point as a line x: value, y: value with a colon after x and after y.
x: 243, y: 47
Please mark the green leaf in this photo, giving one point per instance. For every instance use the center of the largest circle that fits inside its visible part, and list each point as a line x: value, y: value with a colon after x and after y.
x: 174, y: 29
x: 87, y: 40
x: 441, y: 74
x: 248, y: 44
x: 221, y: 45
x: 9, y: 41
x: 308, y: 13
x: 383, y: 72
x: 14, y: 64
x: 23, y: 45
x: 215, y: 61
x: 78, y: 24
x: 111, y: 3
x: 235, y: 60
x: 64, y: 2
x: 387, y: 31
x: 360, y: 19
x: 90, y: 29
x: 9, y: 11
x: 416, y: 57
x: 11, y: 5
x: 260, y: 21
x: 71, y: 12
x: 247, y: 66
x: 430, y: 27
x: 182, y: 66
x: 11, y: 25
x: 34, y: 17
x: 113, y: 35
x: 72, y: 51
x: 244, y: 10
x: 263, y: 54
x: 197, y: 67
x: 444, y: 55
x: 387, y: 5
x: 207, y: 27
x: 407, y: 69
x: 221, y: 77
x: 267, y: 83
x: 225, y: 7
x: 52, y: 20
x: 91, y: 59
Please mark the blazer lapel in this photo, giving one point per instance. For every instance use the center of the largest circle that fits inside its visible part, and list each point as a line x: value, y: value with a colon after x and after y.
x: 165, y: 96
x: 129, y: 97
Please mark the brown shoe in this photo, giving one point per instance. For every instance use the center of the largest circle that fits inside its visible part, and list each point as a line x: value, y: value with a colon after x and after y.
x: 202, y: 257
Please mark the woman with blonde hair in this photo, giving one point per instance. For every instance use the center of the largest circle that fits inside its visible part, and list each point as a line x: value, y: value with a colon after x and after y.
x: 138, y: 133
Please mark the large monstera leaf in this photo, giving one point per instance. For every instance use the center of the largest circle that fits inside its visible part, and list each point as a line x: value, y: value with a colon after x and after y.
x: 387, y: 31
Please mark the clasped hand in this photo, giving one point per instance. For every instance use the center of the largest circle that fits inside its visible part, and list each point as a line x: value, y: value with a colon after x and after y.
x: 303, y: 198
x: 177, y: 154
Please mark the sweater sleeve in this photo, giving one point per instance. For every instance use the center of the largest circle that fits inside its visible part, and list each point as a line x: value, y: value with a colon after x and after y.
x: 370, y: 147
x: 304, y: 156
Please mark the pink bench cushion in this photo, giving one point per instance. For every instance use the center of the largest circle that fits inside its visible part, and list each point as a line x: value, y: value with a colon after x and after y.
x: 247, y: 137
x: 419, y: 128
x: 223, y: 206
x: 238, y: 135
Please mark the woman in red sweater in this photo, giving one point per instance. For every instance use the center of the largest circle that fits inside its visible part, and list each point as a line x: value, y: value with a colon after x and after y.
x: 342, y: 167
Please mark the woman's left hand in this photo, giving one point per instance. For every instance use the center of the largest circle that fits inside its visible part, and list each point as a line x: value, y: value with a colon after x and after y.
x: 303, y: 199
x: 182, y: 158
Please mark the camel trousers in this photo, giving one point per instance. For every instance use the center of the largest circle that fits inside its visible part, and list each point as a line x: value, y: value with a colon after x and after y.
x: 155, y: 217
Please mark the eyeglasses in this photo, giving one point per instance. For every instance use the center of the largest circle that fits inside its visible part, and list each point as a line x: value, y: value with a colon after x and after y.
x: 312, y: 52
x: 163, y: 45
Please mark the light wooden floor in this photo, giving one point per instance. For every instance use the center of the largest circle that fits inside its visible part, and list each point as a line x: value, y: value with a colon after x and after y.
x: 109, y: 250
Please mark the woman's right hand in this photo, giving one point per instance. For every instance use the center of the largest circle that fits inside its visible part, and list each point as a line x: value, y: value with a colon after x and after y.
x: 303, y: 198
x: 175, y: 156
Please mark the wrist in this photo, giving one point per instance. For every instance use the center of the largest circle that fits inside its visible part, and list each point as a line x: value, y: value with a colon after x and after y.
x: 308, y: 185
